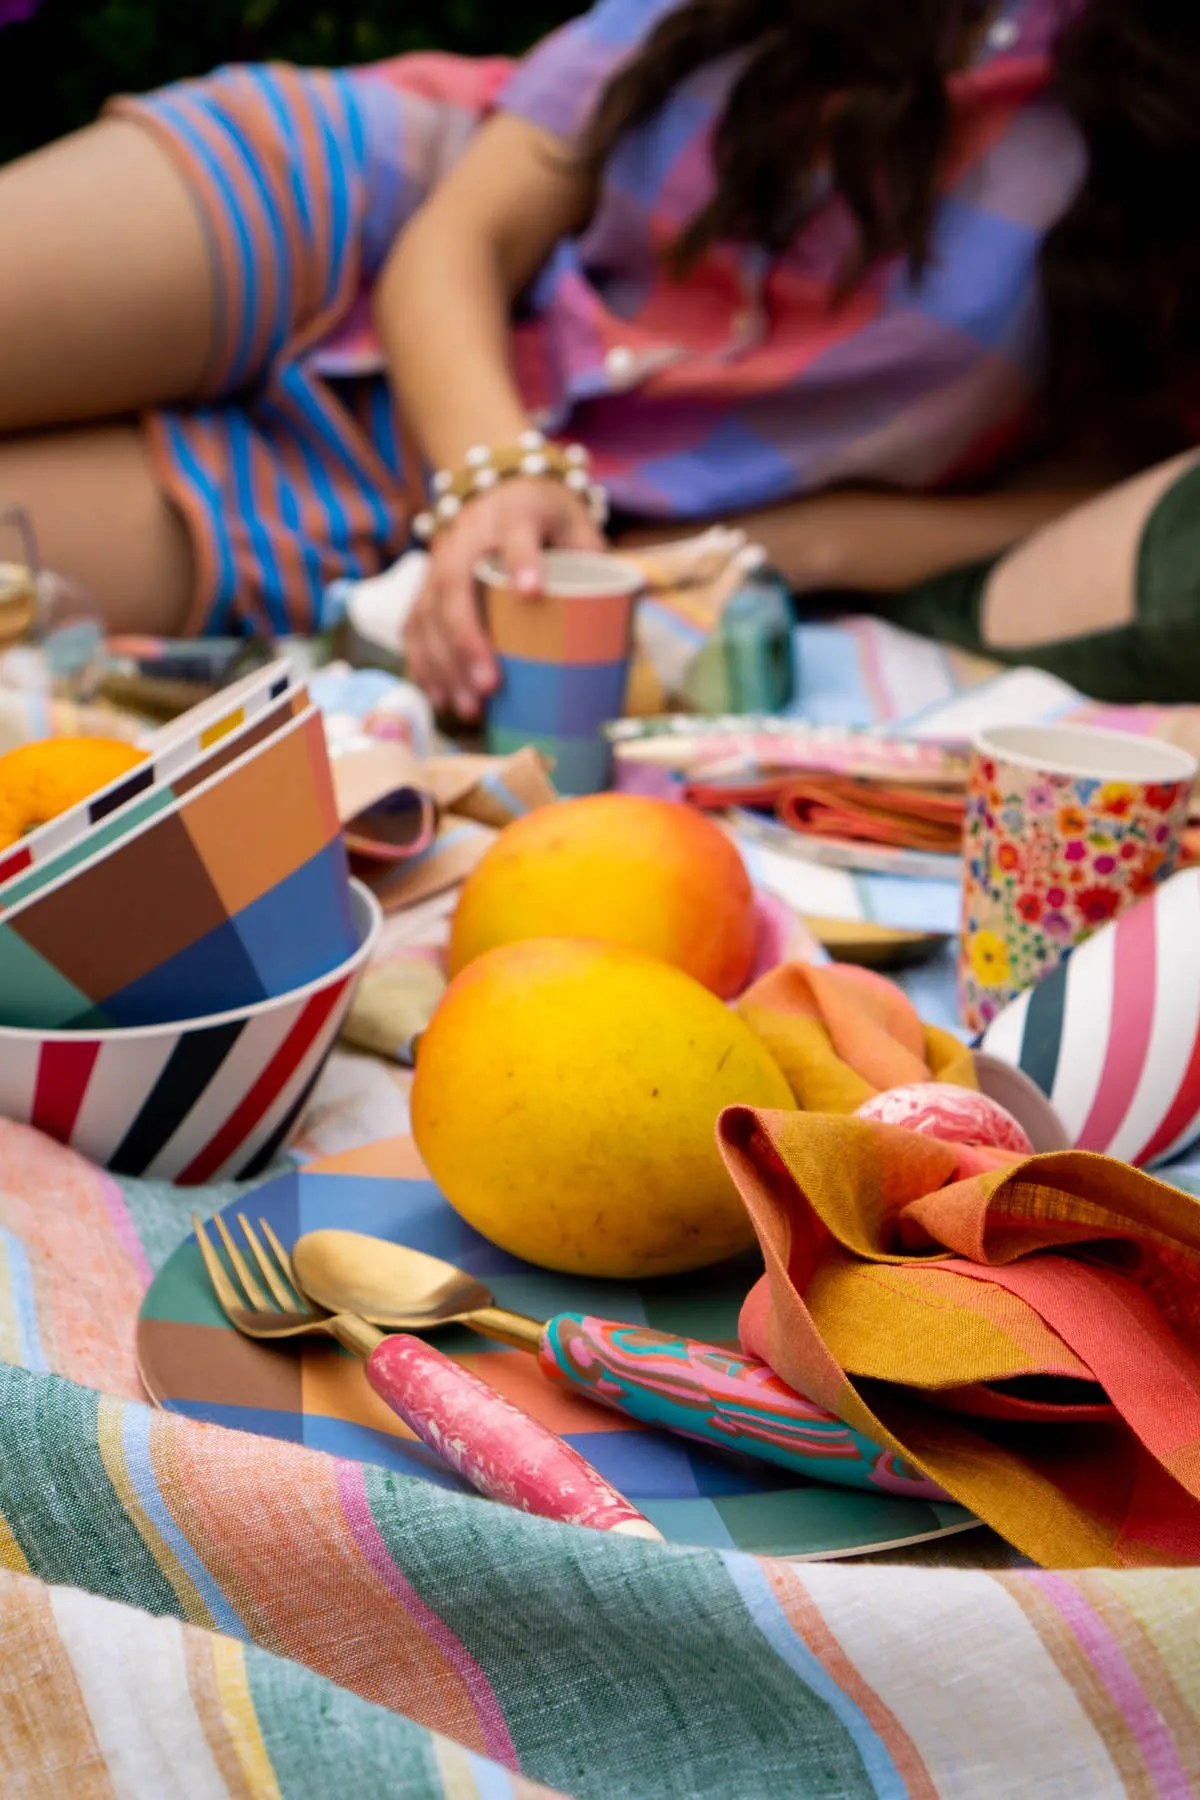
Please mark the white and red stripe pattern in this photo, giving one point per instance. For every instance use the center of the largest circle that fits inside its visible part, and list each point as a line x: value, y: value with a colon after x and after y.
x: 200, y: 1101
x: 1112, y: 1036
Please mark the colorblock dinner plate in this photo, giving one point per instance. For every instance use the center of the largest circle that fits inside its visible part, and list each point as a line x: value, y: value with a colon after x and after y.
x: 193, y: 1362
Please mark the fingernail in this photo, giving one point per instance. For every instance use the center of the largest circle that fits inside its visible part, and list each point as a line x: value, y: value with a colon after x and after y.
x: 466, y: 705
x: 483, y: 675
x: 527, y: 581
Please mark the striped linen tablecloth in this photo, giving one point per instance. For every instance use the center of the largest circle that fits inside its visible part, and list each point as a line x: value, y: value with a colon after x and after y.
x: 189, y: 1611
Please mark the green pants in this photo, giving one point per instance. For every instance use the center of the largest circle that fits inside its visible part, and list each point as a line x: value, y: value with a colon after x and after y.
x: 1156, y: 657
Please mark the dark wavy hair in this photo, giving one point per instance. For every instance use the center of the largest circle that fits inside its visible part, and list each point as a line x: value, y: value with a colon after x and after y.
x: 859, y: 88
x: 1121, y: 269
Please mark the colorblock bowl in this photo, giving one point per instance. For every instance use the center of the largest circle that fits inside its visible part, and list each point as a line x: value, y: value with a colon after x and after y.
x: 201, y: 1100
x: 1112, y: 1035
x: 178, y: 757
x: 237, y: 892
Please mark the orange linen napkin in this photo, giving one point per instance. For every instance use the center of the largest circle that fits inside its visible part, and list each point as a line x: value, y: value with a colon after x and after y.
x: 863, y: 809
x: 842, y: 1034
x: 1028, y: 1336
x: 872, y: 812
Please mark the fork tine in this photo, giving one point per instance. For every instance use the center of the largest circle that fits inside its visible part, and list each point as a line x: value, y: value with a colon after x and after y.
x: 269, y: 1272
x: 228, y: 1298
x: 285, y: 1263
x: 254, y: 1294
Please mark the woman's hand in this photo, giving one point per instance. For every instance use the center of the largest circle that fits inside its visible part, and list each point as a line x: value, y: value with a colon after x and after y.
x: 446, y: 648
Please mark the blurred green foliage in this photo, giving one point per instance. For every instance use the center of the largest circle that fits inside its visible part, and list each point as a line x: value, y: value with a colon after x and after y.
x: 57, y: 70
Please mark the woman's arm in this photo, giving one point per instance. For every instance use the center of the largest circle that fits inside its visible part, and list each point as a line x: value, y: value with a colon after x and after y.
x: 442, y: 309
x: 879, y: 543
x: 443, y: 301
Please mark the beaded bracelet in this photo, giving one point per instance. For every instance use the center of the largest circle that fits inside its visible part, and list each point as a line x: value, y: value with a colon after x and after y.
x: 484, y: 468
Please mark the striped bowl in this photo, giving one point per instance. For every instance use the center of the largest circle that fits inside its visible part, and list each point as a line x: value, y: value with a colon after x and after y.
x: 200, y: 1100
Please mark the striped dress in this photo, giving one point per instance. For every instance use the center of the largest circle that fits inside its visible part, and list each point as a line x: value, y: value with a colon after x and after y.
x: 744, y: 385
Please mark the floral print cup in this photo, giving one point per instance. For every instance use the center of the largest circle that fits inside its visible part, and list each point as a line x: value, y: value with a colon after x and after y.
x: 1065, y: 827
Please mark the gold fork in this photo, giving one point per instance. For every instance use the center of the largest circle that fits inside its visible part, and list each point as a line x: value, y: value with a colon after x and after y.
x: 287, y: 1313
x: 499, y: 1449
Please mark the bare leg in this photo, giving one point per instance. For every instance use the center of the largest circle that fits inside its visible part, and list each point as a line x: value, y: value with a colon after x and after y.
x: 1077, y: 575
x: 105, y: 295
x: 101, y: 517
x: 105, y: 308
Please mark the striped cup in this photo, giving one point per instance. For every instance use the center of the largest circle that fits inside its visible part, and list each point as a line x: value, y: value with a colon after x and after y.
x: 564, y: 661
x: 1112, y: 1035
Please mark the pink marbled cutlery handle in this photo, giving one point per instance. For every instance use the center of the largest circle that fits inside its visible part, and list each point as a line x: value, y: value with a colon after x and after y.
x: 492, y: 1444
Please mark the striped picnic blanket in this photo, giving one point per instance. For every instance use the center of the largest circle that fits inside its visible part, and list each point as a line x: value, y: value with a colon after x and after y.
x: 188, y: 1611
x: 195, y: 1612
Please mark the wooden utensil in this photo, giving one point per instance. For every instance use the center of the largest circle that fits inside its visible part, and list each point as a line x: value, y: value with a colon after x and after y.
x: 492, y: 1444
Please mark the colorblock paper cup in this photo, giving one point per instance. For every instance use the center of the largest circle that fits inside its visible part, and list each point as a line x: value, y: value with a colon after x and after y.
x: 193, y: 1101
x: 1112, y: 1035
x: 1066, y: 827
x: 564, y: 661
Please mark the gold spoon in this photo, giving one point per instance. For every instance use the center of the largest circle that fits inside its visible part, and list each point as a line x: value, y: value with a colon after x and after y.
x: 703, y: 1391
x: 403, y: 1289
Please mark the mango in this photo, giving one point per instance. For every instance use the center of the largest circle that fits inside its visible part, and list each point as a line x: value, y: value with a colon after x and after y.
x: 650, y: 874
x: 566, y: 1099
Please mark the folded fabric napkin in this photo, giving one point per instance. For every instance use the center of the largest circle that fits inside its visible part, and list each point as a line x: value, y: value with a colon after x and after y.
x: 833, y: 806
x: 1027, y: 1335
x: 468, y: 799
x: 843, y: 1034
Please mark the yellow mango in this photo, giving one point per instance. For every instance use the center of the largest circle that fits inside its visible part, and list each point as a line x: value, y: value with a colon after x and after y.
x: 565, y: 1102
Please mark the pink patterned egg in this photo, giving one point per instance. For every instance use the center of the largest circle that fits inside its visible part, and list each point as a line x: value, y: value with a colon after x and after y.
x: 958, y: 1115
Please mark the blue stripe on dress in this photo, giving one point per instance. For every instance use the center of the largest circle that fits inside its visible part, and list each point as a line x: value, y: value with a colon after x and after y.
x: 233, y: 215
x: 338, y: 196
x: 281, y: 112
x: 280, y: 325
x: 323, y: 417
x: 339, y: 533
x: 240, y: 437
x: 289, y: 510
x: 219, y: 618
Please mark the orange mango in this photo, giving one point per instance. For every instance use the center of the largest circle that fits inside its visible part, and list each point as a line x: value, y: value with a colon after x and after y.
x: 649, y: 874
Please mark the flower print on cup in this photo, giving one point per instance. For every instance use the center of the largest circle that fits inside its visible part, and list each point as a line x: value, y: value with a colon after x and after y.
x: 1067, y: 826
x: 1098, y: 904
x: 1117, y: 799
x: 989, y: 959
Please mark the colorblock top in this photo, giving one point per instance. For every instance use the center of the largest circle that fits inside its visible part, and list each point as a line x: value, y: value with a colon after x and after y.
x: 747, y: 382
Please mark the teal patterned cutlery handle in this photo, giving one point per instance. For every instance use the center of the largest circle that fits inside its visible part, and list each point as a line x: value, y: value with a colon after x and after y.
x: 719, y: 1397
